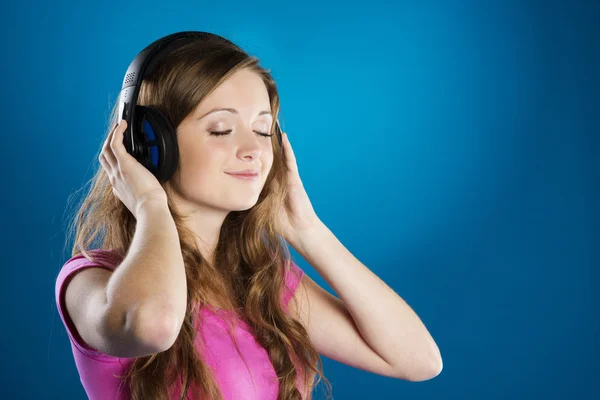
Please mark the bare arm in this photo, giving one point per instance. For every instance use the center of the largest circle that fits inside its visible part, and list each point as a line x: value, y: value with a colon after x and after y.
x: 147, y: 293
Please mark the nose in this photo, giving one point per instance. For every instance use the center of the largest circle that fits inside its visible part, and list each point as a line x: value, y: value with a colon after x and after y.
x: 248, y: 144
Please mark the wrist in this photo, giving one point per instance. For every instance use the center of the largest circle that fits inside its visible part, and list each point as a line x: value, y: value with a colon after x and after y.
x: 151, y: 206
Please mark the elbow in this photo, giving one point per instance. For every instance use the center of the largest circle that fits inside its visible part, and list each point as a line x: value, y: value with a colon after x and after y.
x: 158, y: 330
x: 428, y: 373
x: 429, y: 369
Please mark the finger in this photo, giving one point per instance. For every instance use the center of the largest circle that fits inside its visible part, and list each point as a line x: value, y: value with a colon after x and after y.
x: 107, y: 151
x: 289, y: 154
x: 104, y: 163
x: 116, y: 143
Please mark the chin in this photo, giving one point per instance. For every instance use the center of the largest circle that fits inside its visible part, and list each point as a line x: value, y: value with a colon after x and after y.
x: 242, y: 206
x: 238, y: 202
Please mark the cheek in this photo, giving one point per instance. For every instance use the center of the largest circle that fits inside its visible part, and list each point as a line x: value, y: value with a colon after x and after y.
x: 201, y: 167
x: 268, y: 158
x: 268, y: 164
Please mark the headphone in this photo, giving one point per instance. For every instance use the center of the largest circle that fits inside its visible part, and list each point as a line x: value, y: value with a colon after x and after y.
x: 150, y: 137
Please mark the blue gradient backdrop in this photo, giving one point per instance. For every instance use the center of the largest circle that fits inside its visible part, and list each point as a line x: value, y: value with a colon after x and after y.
x: 451, y: 146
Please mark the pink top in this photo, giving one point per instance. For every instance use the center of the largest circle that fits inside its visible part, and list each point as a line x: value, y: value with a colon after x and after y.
x: 96, y: 369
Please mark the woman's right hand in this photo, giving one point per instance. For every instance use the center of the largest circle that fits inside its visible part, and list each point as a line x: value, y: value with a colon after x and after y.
x: 132, y: 183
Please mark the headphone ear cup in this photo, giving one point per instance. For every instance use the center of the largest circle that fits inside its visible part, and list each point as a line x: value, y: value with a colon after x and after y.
x: 157, y: 141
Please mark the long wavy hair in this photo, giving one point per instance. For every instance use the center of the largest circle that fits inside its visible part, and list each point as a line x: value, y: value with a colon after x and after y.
x: 250, y: 255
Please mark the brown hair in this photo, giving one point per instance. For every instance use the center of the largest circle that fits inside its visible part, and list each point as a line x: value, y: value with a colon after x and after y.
x: 250, y: 255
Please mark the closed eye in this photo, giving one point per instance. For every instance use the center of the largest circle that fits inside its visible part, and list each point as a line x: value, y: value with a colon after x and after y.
x: 221, y: 133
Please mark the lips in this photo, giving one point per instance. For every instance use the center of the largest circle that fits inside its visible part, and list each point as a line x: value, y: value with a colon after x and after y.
x: 248, y: 173
x: 245, y: 175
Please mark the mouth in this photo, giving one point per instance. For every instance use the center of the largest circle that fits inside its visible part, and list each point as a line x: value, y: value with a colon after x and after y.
x: 246, y: 177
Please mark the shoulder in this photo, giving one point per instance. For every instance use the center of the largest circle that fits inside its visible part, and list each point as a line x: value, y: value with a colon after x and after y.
x: 105, y: 258
x: 100, y: 258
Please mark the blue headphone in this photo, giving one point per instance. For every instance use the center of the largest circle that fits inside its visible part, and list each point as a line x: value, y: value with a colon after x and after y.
x: 150, y: 137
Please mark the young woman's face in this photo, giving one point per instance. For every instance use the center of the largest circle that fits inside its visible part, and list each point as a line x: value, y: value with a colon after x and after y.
x: 206, y: 159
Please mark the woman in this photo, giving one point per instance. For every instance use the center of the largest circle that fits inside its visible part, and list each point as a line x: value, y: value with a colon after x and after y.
x: 184, y: 286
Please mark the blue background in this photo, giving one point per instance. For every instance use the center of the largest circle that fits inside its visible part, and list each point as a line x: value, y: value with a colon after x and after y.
x: 452, y: 147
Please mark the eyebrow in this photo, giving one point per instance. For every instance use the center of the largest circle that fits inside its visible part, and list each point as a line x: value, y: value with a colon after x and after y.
x: 233, y: 111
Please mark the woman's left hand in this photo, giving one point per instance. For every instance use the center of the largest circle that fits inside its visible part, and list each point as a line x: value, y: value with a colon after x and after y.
x: 298, y: 216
